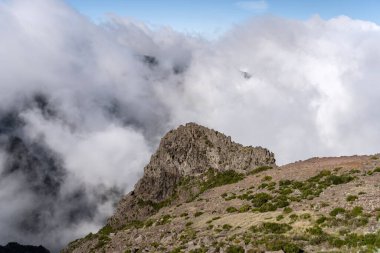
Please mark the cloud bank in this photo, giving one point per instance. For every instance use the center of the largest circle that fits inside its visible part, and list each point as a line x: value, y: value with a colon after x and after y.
x: 83, y: 106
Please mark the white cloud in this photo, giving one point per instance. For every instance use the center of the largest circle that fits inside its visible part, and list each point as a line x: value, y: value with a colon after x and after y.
x: 261, y: 5
x: 313, y: 91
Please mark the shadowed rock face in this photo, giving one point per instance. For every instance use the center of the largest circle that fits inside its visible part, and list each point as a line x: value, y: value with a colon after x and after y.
x: 17, y: 248
x: 189, y: 150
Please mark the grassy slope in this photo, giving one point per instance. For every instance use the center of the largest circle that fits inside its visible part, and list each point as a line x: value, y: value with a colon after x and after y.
x: 325, y: 204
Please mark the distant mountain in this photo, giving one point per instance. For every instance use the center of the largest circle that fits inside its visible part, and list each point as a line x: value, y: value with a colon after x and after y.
x: 201, y: 192
x: 13, y: 247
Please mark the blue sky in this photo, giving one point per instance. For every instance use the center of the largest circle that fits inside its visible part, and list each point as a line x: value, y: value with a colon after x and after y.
x: 212, y: 17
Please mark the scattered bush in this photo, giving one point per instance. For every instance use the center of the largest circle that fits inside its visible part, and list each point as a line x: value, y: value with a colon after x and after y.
x: 231, y: 209
x: 351, y: 198
x: 260, y: 169
x: 316, y: 230
x: 226, y: 226
x: 279, y: 217
x: 164, y: 220
x: 356, y: 211
x: 342, y: 179
x: 198, y: 214
x: 337, y: 211
x: 106, y: 230
x: 184, y: 214
x: 275, y: 228
x: 244, y: 209
x: 260, y: 199
x: 266, y: 178
x: 321, y: 219
x: 235, y: 249
x: 293, y: 217
x: 216, y: 178
x: 149, y: 222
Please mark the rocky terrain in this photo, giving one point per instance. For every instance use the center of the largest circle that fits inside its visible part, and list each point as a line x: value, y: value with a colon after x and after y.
x: 201, y: 192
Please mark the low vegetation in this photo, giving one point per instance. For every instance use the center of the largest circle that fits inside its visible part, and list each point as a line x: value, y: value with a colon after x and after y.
x: 291, y: 217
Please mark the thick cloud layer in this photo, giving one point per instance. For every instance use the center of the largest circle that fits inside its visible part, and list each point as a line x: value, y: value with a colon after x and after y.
x: 82, y: 106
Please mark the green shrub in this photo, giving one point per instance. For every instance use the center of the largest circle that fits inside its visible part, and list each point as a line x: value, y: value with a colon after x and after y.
x: 293, y: 217
x: 287, y: 210
x: 155, y: 244
x: 291, y: 248
x: 260, y: 169
x: 321, y: 219
x: 337, y: 211
x: 267, y: 207
x: 215, y: 179
x: 316, y: 230
x: 244, y: 208
x: 134, y: 224
x: 354, y: 171
x: 176, y: 250
x: 356, y: 211
x: 102, y: 241
x: 198, y: 250
x: 281, y: 201
x: 275, y: 228
x: 325, y: 204
x: 342, y: 179
x: 164, y: 220
x: 106, y: 230
x: 235, y: 249
x: 188, y: 224
x: 266, y: 178
x: 198, y: 214
x: 149, y: 222
x: 336, y: 242
x: 231, y: 209
x: 215, y: 218
x: 260, y: 199
x: 351, y: 198
x: 184, y: 214
x: 226, y: 226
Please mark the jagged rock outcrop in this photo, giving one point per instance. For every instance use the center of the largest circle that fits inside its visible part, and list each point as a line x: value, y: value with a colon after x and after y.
x: 187, y: 151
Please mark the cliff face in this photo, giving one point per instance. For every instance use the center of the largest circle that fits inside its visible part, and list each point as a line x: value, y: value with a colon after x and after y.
x: 188, y: 151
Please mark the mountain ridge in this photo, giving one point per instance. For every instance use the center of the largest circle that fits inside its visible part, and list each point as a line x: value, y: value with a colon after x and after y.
x: 307, y: 206
x: 189, y: 150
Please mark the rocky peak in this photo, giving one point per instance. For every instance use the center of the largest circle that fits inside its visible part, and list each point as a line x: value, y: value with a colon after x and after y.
x: 188, y: 151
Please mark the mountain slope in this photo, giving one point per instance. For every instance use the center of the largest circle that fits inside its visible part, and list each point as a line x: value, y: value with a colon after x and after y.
x: 321, y: 204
